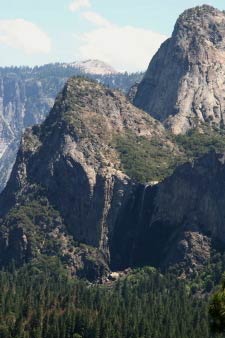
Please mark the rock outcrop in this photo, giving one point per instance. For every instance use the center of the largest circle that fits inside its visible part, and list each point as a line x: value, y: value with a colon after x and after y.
x: 132, y: 92
x: 69, y: 164
x: 176, y: 222
x: 191, y: 203
x: 28, y: 94
x: 184, y: 84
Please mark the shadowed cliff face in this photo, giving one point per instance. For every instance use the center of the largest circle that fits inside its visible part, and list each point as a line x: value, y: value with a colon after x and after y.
x: 184, y: 84
x: 133, y: 243
x: 178, y: 221
x: 192, y: 200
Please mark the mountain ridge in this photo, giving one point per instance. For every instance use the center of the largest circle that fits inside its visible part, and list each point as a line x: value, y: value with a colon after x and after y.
x: 70, y: 162
x: 93, y: 66
x: 26, y: 97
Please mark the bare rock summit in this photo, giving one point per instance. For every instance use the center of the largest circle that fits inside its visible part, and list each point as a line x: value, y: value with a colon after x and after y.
x: 185, y: 81
x: 96, y: 67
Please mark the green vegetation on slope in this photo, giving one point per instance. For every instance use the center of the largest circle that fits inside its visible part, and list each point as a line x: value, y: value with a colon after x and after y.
x: 152, y: 160
x: 40, y: 301
x: 217, y: 310
x: 38, y: 229
x: 196, y: 143
x: 145, y: 160
x: 205, y: 280
x: 38, y: 219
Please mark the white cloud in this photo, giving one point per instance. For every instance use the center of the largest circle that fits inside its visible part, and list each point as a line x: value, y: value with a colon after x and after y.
x: 79, y: 4
x: 96, y: 19
x: 125, y: 48
x: 24, y: 35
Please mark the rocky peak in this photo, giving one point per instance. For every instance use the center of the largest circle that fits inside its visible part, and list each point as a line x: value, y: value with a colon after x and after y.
x: 70, y: 161
x: 204, y: 24
x: 184, y: 84
x: 94, y: 115
x: 28, y: 94
x: 198, y: 12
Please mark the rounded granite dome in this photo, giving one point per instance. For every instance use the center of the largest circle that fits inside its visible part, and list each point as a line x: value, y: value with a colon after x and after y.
x: 204, y: 24
x: 184, y: 84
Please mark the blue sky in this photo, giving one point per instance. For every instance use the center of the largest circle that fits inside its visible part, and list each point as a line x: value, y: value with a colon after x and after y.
x: 123, y: 33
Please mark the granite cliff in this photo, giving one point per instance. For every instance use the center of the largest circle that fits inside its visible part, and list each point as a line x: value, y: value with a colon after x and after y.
x: 184, y: 84
x: 27, y: 95
x: 178, y: 222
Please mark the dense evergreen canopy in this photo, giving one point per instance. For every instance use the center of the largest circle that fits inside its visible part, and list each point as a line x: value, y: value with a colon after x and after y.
x: 41, y: 301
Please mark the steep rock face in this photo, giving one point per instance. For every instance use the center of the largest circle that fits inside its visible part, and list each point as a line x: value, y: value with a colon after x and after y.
x: 132, y: 92
x: 28, y: 94
x: 23, y: 103
x: 70, y: 161
x: 178, y: 221
x: 193, y: 198
x: 184, y: 84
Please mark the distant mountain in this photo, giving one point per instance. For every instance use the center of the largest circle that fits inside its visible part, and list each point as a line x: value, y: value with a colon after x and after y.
x: 184, y: 85
x: 96, y: 67
x: 28, y: 94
